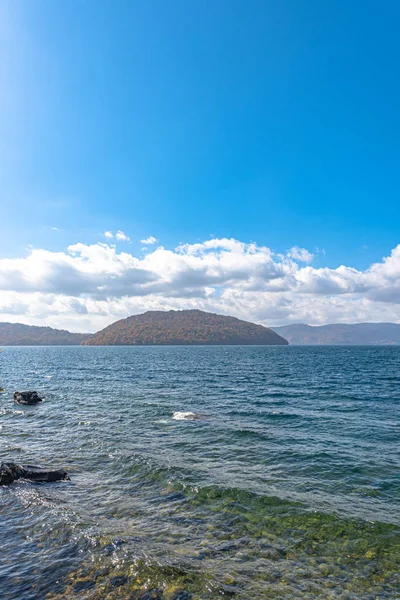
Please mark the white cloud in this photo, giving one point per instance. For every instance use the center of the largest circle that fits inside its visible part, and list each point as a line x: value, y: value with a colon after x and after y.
x: 300, y: 254
x: 55, y: 228
x: 89, y: 286
x: 121, y: 236
x: 149, y: 241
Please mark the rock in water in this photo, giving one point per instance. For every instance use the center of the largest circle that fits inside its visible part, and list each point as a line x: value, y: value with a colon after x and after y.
x: 27, y: 397
x: 10, y: 472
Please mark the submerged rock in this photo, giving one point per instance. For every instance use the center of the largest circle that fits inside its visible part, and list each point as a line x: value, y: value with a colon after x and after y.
x: 27, y: 397
x: 10, y: 472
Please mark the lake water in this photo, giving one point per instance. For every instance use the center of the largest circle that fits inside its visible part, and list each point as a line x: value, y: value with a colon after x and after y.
x: 286, y: 486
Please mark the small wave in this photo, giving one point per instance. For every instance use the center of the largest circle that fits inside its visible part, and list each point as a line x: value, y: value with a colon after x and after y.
x: 10, y: 411
x: 185, y: 416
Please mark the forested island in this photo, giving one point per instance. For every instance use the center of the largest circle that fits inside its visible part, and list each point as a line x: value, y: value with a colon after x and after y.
x: 183, y: 327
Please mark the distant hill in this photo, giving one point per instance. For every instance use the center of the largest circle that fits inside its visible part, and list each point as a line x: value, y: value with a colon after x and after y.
x: 357, y: 334
x: 16, y: 334
x: 191, y: 327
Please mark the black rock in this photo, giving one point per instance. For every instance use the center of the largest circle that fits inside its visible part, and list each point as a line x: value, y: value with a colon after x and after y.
x: 10, y: 472
x: 27, y: 397
x: 118, y: 581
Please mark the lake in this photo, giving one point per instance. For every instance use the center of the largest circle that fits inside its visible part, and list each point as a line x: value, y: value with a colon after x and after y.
x: 283, y: 483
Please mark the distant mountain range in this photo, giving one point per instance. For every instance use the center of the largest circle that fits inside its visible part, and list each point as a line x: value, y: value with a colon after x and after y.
x: 16, y: 334
x: 357, y: 334
x: 186, y: 327
x: 195, y: 327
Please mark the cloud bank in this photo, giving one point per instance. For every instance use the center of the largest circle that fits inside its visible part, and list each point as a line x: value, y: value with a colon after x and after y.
x: 89, y: 286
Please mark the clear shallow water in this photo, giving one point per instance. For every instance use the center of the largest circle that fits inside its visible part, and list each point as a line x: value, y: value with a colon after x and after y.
x: 287, y: 486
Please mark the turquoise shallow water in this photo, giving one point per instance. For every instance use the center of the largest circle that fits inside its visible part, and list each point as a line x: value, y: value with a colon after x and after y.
x: 287, y: 486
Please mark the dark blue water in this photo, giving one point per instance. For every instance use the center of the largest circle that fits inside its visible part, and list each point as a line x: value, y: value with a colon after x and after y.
x: 285, y: 485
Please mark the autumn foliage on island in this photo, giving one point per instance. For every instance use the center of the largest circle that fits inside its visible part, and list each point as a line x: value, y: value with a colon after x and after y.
x: 183, y: 327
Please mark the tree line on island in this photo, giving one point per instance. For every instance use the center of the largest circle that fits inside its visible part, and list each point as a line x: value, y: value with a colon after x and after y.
x: 183, y: 327
x: 195, y: 327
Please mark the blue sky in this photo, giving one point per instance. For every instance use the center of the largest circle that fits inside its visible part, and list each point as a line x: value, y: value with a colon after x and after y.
x: 273, y: 122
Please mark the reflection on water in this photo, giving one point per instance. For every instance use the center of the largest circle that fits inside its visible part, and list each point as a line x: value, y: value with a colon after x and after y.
x: 245, y: 472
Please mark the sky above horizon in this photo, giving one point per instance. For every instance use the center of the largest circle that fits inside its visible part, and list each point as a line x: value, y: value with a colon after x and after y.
x: 239, y: 157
